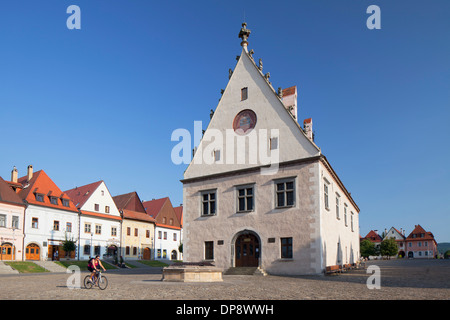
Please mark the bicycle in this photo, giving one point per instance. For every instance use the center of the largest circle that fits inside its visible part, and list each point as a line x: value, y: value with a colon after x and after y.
x: 100, y: 280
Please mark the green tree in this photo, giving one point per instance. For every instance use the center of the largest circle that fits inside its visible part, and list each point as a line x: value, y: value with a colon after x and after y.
x: 367, y: 248
x: 447, y: 254
x: 388, y: 247
x: 68, y: 246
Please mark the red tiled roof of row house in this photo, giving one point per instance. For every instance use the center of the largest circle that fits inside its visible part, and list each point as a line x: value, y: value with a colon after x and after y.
x: 131, y: 207
x: 129, y: 201
x: 7, y: 194
x: 373, y: 237
x: 419, y: 234
x: 134, y: 215
x: 153, y: 207
x: 179, y: 214
x: 41, y: 184
x: 164, y: 213
x: 80, y: 195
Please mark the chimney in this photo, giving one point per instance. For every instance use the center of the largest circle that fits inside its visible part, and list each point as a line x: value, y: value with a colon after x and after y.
x: 289, y: 98
x: 14, y: 175
x: 30, y: 173
x: 307, y: 127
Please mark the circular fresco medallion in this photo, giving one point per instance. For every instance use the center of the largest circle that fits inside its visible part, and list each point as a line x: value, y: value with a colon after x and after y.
x: 244, y: 122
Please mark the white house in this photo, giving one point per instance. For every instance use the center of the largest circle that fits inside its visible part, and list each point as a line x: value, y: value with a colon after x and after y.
x: 100, y: 220
x: 258, y: 191
x: 50, y: 217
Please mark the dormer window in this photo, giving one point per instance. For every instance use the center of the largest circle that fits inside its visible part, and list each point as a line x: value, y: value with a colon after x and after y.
x: 65, y: 202
x: 54, y: 200
x: 39, y: 197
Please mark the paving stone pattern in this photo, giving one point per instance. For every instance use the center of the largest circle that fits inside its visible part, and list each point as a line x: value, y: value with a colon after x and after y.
x: 400, y: 279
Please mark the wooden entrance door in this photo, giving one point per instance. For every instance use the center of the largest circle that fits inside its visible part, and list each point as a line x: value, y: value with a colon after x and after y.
x: 32, y: 252
x: 247, y: 251
x: 6, y: 252
x: 146, y: 255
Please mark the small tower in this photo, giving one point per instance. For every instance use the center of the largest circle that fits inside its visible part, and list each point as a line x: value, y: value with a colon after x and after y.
x: 244, y: 34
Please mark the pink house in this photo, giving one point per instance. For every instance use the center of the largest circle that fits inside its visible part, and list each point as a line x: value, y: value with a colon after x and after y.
x: 421, y: 244
x: 12, y: 213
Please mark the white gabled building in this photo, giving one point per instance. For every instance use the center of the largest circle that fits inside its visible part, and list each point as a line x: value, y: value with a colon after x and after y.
x: 50, y: 217
x: 258, y: 191
x: 100, y: 221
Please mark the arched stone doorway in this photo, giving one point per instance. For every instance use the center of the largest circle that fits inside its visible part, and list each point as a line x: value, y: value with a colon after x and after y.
x: 173, y: 255
x: 247, y: 249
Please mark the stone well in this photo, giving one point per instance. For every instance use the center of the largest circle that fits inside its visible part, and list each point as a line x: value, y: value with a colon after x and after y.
x: 192, y: 272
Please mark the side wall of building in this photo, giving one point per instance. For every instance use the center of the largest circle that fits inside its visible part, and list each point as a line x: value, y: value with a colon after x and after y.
x: 339, y: 222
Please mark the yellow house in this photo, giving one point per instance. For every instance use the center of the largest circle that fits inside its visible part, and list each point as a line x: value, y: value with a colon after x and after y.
x: 138, y: 228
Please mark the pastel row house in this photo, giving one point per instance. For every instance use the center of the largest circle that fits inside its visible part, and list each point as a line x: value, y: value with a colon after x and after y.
x: 36, y: 217
x: 418, y: 244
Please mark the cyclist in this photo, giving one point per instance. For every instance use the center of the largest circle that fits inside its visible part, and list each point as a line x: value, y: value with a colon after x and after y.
x: 94, y: 265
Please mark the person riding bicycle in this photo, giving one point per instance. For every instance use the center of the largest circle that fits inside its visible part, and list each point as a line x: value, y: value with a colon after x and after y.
x: 93, y: 266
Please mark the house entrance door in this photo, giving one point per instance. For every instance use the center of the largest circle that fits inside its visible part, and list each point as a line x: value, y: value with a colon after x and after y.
x: 32, y: 252
x: 247, y: 251
x: 7, y: 252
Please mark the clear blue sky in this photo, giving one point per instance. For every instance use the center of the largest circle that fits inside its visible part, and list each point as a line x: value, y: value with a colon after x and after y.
x: 102, y: 102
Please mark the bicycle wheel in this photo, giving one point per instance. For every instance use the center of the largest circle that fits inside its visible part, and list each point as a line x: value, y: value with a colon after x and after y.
x: 102, y: 283
x: 87, y: 284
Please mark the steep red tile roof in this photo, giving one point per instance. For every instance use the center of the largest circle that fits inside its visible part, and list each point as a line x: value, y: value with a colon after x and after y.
x: 373, y: 237
x: 179, y: 214
x: 41, y: 183
x: 80, y: 195
x: 163, y: 212
x: 134, y: 215
x: 7, y: 194
x: 417, y: 232
x: 153, y: 207
x: 129, y: 201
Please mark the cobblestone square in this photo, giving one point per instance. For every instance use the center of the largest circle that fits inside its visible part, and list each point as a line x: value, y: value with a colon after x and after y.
x: 400, y: 280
